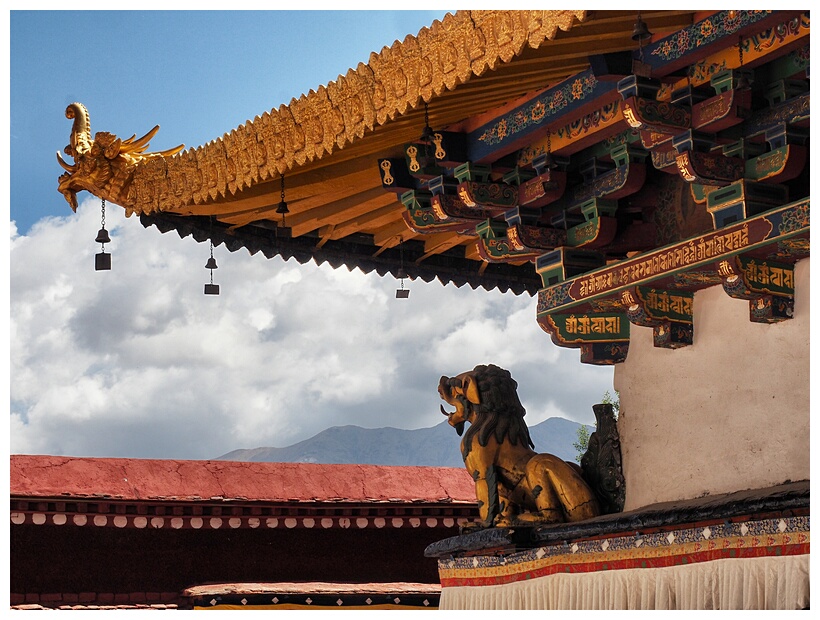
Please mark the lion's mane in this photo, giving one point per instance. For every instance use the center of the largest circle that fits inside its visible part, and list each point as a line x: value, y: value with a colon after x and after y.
x: 500, y: 412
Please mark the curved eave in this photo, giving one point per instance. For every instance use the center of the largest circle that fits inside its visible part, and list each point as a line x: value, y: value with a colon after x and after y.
x: 327, y: 142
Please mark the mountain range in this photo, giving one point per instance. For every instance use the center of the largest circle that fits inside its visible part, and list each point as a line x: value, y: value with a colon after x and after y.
x: 433, y: 447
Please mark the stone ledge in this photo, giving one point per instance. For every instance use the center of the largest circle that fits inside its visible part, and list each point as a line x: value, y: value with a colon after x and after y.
x: 785, y: 497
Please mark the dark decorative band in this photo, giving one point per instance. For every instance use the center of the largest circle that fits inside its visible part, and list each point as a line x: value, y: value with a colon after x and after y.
x: 780, y: 536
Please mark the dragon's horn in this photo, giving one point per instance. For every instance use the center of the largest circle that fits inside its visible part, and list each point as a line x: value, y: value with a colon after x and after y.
x: 62, y: 162
x: 142, y: 142
x: 173, y: 151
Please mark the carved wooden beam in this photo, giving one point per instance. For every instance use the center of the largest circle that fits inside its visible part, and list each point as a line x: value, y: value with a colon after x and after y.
x: 580, y: 132
x: 515, y: 129
x: 752, y: 258
x: 780, y: 31
x: 710, y: 35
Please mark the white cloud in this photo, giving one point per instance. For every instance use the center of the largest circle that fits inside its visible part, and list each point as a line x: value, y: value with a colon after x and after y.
x: 138, y: 362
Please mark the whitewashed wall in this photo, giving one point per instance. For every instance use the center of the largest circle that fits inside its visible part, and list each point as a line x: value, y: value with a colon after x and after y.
x: 729, y: 413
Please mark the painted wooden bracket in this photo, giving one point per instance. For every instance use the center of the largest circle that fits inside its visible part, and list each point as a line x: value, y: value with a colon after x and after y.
x: 730, y: 106
x: 784, y: 161
x: 477, y: 192
x: 767, y: 285
x: 659, y: 116
x: 697, y: 163
x: 433, y: 213
x: 418, y: 214
x: 668, y: 313
x: 602, y: 181
x: 743, y: 199
x: 519, y: 238
x: 564, y: 263
x: 602, y: 337
x: 599, y: 226
x: 525, y: 232
x: 493, y: 244
x: 546, y: 185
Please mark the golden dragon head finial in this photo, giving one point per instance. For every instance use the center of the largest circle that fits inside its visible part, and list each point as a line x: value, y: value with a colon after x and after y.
x: 103, y: 165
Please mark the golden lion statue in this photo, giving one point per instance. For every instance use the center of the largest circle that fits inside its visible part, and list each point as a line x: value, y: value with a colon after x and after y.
x: 514, y: 484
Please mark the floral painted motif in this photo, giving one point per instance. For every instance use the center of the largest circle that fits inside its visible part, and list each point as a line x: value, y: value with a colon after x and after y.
x: 556, y: 295
x: 795, y: 219
x: 704, y: 32
x: 548, y: 104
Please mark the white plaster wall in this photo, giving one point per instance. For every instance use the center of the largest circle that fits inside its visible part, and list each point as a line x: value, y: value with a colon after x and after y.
x: 729, y: 413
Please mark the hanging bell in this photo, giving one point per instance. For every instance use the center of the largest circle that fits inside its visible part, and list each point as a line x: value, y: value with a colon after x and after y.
x: 548, y: 161
x: 282, y: 208
x: 211, y: 264
x: 743, y: 82
x: 102, y: 236
x: 640, y: 32
x: 102, y: 261
x: 427, y: 135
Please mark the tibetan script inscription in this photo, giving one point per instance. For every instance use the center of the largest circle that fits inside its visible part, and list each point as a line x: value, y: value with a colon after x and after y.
x: 585, y: 325
x: 658, y: 263
x: 582, y: 328
x: 763, y: 277
x: 672, y: 305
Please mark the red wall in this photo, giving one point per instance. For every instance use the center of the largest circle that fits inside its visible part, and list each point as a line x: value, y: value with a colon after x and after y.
x: 68, y: 559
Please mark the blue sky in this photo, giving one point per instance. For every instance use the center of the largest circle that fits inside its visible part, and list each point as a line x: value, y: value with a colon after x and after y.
x: 137, y: 362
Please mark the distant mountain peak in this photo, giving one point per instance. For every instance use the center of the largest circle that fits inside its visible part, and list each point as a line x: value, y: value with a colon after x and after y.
x: 437, y: 446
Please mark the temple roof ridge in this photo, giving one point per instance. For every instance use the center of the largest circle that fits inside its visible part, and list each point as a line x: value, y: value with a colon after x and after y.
x: 129, y: 479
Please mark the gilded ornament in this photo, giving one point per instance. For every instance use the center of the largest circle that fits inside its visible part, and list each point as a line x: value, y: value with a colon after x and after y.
x: 105, y: 165
x: 387, y: 178
x: 350, y: 97
x: 272, y: 143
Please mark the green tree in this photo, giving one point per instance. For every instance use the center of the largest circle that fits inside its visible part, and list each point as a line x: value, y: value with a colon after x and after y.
x: 582, y: 443
x: 583, y: 432
x: 616, y: 403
